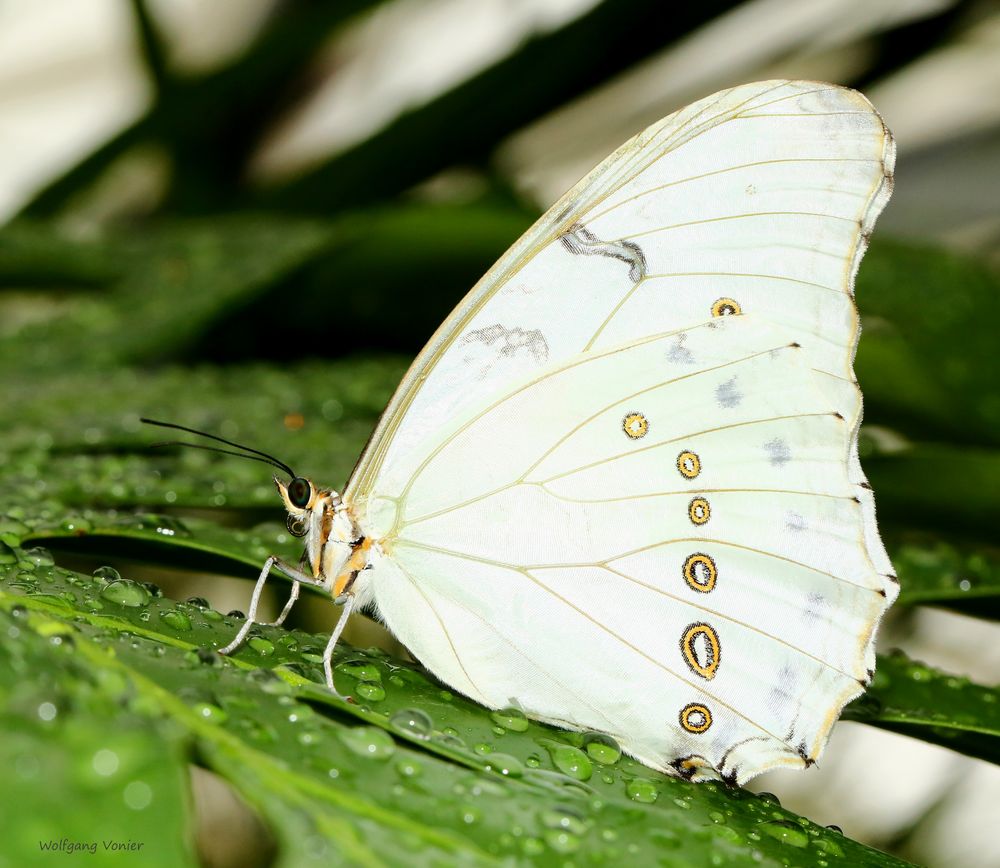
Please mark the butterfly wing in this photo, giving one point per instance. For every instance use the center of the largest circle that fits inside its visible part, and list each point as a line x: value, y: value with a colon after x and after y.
x: 527, y: 555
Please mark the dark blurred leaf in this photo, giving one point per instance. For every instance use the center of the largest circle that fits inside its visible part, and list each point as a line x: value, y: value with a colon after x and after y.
x: 964, y: 577
x: 896, y: 47
x: 173, y: 277
x: 386, y: 282
x: 925, y: 361
x: 465, y: 124
x: 33, y: 254
x: 938, y: 486
x: 209, y: 124
x: 914, y: 699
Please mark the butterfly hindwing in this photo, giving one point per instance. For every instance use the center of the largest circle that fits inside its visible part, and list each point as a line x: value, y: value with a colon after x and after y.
x: 619, y: 526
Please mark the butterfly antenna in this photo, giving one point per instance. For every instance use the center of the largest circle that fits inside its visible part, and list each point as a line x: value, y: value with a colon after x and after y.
x: 263, y: 456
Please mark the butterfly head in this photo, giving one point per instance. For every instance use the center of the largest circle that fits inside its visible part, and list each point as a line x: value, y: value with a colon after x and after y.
x: 307, y: 504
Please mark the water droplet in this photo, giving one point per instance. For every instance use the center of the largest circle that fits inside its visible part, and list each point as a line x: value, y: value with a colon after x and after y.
x: 562, y: 842
x: 137, y: 795
x: 208, y: 711
x: 236, y: 613
x: 532, y: 847
x: 125, y: 592
x: 566, y: 818
x: 370, y: 690
x: 785, y: 831
x: 409, y: 768
x: 107, y: 574
x: 412, y: 721
x: 264, y: 647
x: 570, y: 761
x: 504, y: 764
x: 76, y: 525
x: 449, y: 740
x: 39, y: 556
x: 360, y: 669
x: 164, y: 525
x: 469, y: 814
x: 533, y: 762
x: 105, y: 762
x: 47, y: 711
x: 828, y: 846
x: 510, y: 718
x: 769, y: 797
x: 368, y: 741
x: 176, y: 619
x: 602, y: 748
x: 640, y: 790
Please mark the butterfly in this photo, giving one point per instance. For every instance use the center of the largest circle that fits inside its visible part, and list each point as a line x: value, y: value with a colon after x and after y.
x: 620, y: 486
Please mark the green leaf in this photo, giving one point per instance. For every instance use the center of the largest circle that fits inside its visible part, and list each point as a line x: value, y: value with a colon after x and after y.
x: 963, y: 577
x: 937, y: 486
x: 407, y: 772
x: 925, y: 362
x: 73, y: 737
x: 917, y: 700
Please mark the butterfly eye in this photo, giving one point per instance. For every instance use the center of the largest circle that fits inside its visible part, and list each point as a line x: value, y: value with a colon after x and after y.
x: 296, y: 526
x: 299, y: 492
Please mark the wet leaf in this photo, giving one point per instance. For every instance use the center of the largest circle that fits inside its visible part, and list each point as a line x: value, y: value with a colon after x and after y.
x: 88, y: 778
x: 406, y: 773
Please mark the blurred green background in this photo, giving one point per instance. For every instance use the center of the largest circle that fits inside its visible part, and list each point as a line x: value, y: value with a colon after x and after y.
x: 248, y: 215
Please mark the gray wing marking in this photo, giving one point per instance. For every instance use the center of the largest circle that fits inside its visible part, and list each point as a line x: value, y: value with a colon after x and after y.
x: 581, y: 241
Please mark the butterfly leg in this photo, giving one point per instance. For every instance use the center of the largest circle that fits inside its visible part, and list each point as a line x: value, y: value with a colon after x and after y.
x: 292, y: 597
x: 297, y: 577
x: 348, y: 601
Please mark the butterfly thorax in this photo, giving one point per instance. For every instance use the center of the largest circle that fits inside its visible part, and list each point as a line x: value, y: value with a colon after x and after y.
x: 336, y: 548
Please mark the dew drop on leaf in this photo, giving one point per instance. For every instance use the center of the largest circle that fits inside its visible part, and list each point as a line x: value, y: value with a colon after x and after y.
x: 602, y: 748
x: 503, y: 764
x: 368, y: 741
x: 39, y: 556
x: 264, y: 647
x: 412, y: 721
x: 640, y: 790
x: 126, y: 593
x: 571, y: 761
x: 510, y: 718
x: 176, y: 619
x: 370, y: 690
x: 785, y: 831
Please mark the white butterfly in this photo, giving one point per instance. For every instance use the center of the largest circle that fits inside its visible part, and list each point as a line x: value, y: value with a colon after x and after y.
x: 620, y: 485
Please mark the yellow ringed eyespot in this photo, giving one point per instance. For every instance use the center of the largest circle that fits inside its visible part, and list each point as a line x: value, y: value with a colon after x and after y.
x: 699, y: 511
x: 702, y: 656
x: 695, y: 717
x: 689, y: 464
x: 635, y: 425
x: 726, y: 307
x: 700, y: 572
